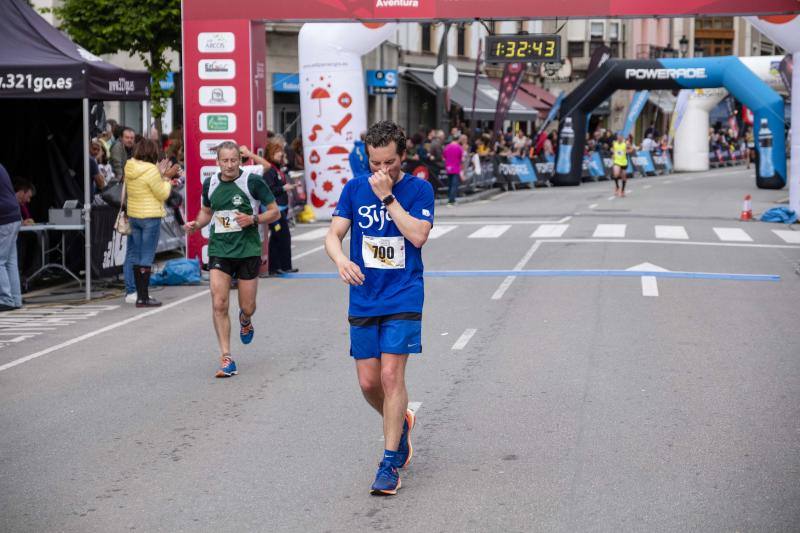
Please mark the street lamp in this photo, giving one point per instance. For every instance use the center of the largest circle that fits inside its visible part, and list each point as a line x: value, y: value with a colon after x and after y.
x: 698, y: 50
x: 683, y: 46
x: 669, y: 51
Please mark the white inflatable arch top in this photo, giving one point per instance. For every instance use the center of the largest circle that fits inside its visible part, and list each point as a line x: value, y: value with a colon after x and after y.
x: 691, y: 137
x: 333, y: 103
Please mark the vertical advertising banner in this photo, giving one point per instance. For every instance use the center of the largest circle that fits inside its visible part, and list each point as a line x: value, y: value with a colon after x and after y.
x: 635, y: 109
x: 509, y: 83
x: 224, y: 69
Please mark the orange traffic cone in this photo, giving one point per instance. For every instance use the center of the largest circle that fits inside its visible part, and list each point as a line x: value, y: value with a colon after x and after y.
x: 747, y: 210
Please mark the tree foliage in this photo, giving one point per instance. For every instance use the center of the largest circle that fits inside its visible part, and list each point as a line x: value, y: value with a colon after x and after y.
x: 147, y: 28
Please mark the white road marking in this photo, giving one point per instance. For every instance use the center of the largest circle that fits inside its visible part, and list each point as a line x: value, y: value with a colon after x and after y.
x: 498, y: 196
x: 662, y: 242
x: 312, y: 235
x: 647, y: 267
x: 438, y: 231
x: 464, y: 339
x: 671, y: 232
x: 308, y: 252
x: 789, y: 236
x: 649, y: 286
x: 468, y: 222
x: 101, y: 330
x: 592, y: 206
x: 501, y: 290
x: 611, y: 197
x: 33, y: 321
x: 667, y: 182
x: 610, y: 230
x: 549, y: 230
x: 646, y: 186
x: 414, y: 406
x: 732, y: 234
x: 491, y: 231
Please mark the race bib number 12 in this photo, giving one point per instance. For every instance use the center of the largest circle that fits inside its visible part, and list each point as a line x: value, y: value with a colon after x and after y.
x: 225, y: 222
x: 383, y: 252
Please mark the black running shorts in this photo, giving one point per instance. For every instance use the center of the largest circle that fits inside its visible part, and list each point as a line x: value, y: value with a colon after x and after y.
x: 239, y: 267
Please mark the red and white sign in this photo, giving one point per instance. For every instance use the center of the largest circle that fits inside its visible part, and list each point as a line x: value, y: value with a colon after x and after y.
x: 224, y: 73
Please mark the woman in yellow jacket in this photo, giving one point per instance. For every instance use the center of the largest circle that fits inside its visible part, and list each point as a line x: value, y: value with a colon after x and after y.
x: 147, y: 186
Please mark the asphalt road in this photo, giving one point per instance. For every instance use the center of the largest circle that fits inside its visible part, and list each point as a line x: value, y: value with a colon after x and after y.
x: 587, y: 398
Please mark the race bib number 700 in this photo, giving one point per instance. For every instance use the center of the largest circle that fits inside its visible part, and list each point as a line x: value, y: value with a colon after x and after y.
x: 383, y: 252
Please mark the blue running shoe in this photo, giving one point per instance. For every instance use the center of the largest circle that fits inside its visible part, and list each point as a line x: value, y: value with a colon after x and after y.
x: 227, y: 368
x: 247, y: 330
x: 405, y: 450
x: 387, y: 480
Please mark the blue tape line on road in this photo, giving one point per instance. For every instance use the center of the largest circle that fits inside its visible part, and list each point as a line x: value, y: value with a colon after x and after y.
x: 563, y: 273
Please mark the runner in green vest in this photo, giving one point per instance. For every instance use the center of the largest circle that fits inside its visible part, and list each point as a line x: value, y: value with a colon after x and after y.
x: 231, y: 202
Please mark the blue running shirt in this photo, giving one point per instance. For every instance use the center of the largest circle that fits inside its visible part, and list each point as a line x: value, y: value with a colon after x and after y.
x: 393, y: 266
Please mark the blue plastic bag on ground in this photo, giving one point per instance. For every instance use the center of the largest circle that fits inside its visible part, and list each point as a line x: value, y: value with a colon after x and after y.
x: 780, y: 214
x: 178, y: 272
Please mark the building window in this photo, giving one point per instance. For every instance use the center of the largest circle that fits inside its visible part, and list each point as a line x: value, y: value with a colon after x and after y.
x: 714, y: 23
x: 715, y: 47
x: 613, y: 31
x: 615, y: 48
x: 596, y: 30
x: 461, y: 40
x: 426, y: 31
x: 594, y: 45
x: 575, y: 49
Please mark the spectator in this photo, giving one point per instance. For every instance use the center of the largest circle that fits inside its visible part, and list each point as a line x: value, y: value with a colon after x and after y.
x: 549, y: 147
x: 648, y: 144
x: 10, y: 221
x: 295, y: 155
x: 96, y: 155
x: 280, y: 239
x: 148, y: 186
x: 24, y: 191
x: 27, y: 243
x: 453, y: 154
x: 519, y: 143
x: 121, y: 151
x: 359, y: 164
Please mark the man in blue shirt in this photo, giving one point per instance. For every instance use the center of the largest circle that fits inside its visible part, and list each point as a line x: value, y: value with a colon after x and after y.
x: 389, y: 215
x: 358, y: 158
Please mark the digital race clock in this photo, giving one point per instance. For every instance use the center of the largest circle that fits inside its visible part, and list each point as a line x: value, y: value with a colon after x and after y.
x: 522, y: 48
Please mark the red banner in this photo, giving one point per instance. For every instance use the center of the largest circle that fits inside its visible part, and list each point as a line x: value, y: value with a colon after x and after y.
x: 224, y: 72
x: 509, y: 84
x: 343, y: 10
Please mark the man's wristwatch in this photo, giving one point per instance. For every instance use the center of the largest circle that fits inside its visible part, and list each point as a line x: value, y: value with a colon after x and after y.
x: 388, y: 199
x: 255, y: 220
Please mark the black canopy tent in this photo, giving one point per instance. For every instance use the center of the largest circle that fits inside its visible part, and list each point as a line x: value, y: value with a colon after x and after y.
x: 44, y: 79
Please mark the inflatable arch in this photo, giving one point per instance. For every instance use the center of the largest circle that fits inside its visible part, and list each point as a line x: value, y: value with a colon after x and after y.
x: 691, y: 137
x: 333, y: 103
x: 691, y: 73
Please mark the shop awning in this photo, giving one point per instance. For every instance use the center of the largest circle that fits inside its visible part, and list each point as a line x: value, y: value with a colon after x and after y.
x: 663, y: 100
x: 485, y: 97
x: 526, y: 99
x: 540, y: 93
